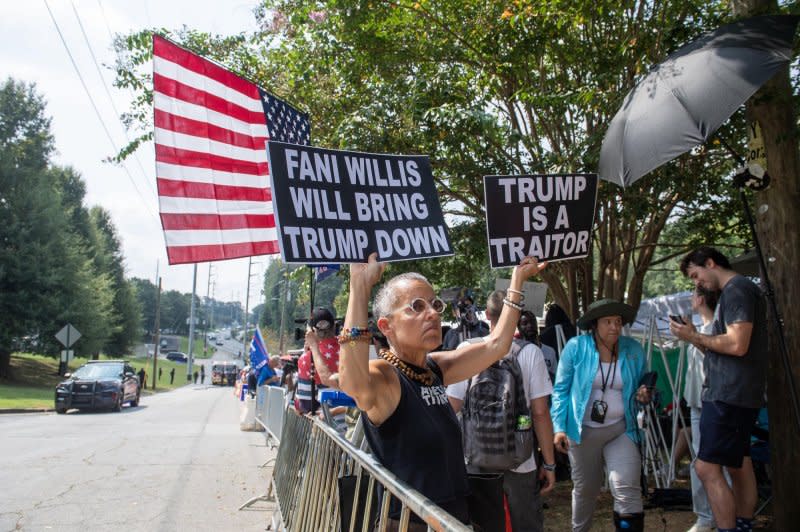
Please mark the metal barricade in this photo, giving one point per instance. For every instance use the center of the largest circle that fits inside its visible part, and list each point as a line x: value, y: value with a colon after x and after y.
x: 270, y: 411
x: 313, y: 457
x: 261, y: 405
x: 276, y: 412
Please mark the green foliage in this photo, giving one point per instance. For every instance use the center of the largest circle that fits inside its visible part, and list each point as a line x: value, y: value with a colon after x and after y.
x: 176, y: 308
x: 489, y: 88
x: 59, y: 263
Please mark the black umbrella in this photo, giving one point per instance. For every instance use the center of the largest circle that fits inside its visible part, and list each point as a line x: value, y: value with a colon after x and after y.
x: 683, y: 100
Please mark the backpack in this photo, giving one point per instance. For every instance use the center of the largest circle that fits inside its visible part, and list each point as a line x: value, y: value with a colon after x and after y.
x: 494, y: 401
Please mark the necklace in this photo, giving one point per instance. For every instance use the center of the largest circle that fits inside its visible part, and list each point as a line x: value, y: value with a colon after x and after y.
x: 422, y: 376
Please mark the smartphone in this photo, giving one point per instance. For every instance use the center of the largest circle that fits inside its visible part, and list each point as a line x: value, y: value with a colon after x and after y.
x: 677, y: 318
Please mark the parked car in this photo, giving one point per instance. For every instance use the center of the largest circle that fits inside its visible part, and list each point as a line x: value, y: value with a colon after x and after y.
x: 177, y: 356
x: 99, y: 384
x: 220, y: 342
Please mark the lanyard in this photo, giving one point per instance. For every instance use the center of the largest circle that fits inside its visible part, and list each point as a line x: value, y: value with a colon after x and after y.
x: 612, y: 373
x: 613, y: 370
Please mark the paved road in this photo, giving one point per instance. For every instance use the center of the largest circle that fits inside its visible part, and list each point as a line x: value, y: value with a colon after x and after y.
x: 176, y: 462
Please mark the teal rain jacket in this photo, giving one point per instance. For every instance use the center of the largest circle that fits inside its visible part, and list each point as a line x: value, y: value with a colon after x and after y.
x: 573, y: 387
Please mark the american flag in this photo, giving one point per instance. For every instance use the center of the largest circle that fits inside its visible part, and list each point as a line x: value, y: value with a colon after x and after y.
x: 211, y: 128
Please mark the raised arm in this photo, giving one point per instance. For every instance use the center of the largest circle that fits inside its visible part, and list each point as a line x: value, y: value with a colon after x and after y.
x: 473, y: 358
x: 373, y: 387
x: 326, y: 376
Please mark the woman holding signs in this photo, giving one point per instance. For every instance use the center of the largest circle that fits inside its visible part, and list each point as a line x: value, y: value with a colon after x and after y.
x: 409, y: 423
x: 594, y: 414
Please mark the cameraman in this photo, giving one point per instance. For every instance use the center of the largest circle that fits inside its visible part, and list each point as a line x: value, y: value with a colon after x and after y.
x: 322, y: 345
x: 469, y: 326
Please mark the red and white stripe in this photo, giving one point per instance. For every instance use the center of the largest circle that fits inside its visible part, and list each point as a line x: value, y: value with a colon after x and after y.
x: 211, y: 160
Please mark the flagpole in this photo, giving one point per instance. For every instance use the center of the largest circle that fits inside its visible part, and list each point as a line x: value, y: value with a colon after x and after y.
x: 311, y: 279
x: 313, y: 369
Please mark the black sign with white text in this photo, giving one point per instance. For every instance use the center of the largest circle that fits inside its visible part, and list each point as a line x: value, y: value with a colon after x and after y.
x: 547, y: 216
x: 336, y: 206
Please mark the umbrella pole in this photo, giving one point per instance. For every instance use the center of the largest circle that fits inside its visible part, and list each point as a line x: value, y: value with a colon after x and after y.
x: 773, y: 307
x: 769, y: 292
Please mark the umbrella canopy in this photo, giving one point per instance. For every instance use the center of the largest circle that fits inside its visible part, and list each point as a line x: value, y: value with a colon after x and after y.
x: 683, y: 100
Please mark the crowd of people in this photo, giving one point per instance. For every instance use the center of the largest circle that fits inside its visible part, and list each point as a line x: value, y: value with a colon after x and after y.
x: 568, y: 404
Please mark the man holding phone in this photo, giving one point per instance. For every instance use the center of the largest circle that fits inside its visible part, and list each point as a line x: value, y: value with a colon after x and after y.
x: 735, y: 364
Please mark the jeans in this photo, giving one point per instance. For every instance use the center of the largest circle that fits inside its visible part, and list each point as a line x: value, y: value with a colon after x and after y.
x: 524, y: 502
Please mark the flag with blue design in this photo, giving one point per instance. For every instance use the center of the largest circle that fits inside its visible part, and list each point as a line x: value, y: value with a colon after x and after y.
x: 325, y: 270
x: 258, y: 351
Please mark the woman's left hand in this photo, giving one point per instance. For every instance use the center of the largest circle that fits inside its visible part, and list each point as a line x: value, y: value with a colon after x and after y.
x: 528, y: 267
x: 643, y: 394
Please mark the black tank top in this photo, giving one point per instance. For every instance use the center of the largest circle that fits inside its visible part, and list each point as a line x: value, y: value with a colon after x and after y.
x: 421, y: 444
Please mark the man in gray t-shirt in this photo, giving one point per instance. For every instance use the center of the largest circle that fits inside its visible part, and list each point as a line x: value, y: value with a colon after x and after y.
x: 738, y: 380
x: 735, y: 366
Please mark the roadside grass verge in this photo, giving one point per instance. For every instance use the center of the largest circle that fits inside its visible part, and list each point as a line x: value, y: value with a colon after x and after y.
x: 36, y: 376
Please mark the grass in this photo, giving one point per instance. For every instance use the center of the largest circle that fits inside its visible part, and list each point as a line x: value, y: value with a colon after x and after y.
x: 35, y: 379
x: 13, y: 396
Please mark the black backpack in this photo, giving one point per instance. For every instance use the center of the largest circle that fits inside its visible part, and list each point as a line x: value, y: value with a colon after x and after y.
x: 494, y: 401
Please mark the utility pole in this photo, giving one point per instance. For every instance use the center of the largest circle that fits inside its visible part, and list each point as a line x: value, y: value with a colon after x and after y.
x: 158, y: 333
x: 284, y: 297
x: 190, y: 365
x: 208, y: 307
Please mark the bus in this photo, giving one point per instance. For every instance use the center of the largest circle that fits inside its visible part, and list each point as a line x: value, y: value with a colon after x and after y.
x: 224, y: 372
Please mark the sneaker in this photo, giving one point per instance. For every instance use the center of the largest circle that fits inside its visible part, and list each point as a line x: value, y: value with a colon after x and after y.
x: 702, y: 528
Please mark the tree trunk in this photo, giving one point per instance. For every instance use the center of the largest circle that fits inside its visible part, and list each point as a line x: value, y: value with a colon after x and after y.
x: 779, y: 233
x: 5, y: 364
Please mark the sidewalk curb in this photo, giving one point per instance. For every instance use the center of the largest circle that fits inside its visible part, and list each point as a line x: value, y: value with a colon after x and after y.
x: 25, y: 410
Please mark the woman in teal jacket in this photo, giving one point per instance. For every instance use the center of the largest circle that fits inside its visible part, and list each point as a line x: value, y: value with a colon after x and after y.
x: 594, y: 414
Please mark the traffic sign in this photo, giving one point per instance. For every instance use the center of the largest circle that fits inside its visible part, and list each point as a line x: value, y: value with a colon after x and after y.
x: 68, y: 335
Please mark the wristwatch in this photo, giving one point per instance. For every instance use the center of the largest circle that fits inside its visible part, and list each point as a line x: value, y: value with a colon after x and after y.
x: 549, y: 467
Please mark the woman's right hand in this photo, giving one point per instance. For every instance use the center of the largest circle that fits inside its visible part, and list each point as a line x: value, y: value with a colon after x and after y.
x: 367, y: 274
x: 561, y: 442
x: 311, y: 338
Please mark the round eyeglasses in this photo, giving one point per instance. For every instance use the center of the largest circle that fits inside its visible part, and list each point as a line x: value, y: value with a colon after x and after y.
x: 419, y: 305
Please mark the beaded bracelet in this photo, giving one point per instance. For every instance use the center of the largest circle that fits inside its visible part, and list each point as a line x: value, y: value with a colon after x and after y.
x: 354, y: 334
x: 521, y: 294
x: 513, y: 305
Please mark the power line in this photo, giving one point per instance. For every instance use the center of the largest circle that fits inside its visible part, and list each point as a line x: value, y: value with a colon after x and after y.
x: 96, y: 110
x: 110, y: 98
x: 108, y: 27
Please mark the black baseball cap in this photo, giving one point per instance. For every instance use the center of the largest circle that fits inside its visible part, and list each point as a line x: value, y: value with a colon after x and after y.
x: 321, y: 319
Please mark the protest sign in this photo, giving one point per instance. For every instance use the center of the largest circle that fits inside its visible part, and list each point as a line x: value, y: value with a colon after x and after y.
x: 547, y: 216
x: 336, y: 206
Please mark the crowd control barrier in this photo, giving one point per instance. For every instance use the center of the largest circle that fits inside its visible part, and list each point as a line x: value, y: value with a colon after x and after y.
x: 270, y: 411
x: 323, y: 483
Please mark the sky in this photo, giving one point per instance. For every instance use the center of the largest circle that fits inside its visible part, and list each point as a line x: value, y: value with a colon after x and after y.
x: 32, y: 51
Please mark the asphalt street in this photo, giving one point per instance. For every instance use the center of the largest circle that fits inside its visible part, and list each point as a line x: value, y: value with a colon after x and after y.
x: 177, y: 462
